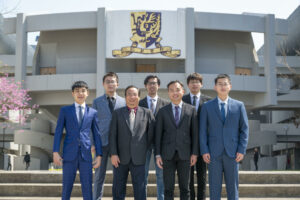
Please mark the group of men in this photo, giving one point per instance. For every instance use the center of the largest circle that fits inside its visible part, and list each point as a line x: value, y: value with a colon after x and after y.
x: 186, y: 134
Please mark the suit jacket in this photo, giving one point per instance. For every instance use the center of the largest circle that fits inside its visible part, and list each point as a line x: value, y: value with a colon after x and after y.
x: 77, y: 136
x: 160, y: 103
x: 104, y: 114
x: 127, y: 144
x: 169, y: 137
x: 203, y: 98
x: 216, y: 136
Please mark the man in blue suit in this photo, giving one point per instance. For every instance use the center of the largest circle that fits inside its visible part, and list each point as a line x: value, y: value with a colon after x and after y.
x: 105, y: 105
x: 223, y: 139
x: 78, y: 120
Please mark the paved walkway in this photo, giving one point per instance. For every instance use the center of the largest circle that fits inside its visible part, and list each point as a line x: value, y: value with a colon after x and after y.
x: 107, y: 198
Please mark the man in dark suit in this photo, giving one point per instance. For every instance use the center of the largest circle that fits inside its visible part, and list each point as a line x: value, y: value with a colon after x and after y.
x: 131, y: 134
x: 196, y: 98
x: 153, y: 102
x: 224, y: 132
x: 105, y: 105
x: 176, y: 141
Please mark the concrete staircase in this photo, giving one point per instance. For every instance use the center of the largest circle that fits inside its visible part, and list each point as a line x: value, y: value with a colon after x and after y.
x: 17, y: 184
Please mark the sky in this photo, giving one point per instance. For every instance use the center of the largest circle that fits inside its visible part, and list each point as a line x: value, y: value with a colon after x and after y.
x: 281, y: 9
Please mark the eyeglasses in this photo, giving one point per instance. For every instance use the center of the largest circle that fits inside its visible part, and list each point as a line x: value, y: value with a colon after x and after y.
x: 223, y: 84
x: 152, y: 83
x: 112, y: 82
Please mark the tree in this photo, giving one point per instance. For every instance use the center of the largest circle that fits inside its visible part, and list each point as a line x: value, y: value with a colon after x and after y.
x: 14, y: 98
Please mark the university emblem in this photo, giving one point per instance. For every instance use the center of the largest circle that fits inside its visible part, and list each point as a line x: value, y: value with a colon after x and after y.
x: 145, y: 29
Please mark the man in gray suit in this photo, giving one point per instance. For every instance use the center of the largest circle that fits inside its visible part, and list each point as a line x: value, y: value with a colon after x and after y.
x: 153, y: 102
x: 131, y: 134
x: 105, y: 105
x: 176, y: 141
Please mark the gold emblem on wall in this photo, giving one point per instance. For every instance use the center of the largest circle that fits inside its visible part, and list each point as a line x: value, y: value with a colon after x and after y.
x: 145, y: 29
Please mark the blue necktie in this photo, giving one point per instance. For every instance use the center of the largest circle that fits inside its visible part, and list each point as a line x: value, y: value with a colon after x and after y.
x: 80, y: 115
x: 223, y: 112
x: 177, y: 115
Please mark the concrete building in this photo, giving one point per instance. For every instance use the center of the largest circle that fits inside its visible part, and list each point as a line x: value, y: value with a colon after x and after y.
x: 171, y: 44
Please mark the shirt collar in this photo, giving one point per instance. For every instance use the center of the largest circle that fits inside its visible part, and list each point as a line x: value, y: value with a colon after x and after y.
x: 180, y: 105
x: 197, y: 95
x: 129, y: 109
x: 149, y: 98
x: 220, y: 101
x: 115, y: 96
x: 82, y: 105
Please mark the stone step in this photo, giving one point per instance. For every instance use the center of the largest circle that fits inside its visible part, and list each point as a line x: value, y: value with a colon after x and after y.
x: 109, y: 198
x: 246, y: 177
x: 54, y: 190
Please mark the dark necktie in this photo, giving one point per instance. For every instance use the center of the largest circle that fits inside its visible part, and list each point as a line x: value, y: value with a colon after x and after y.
x: 111, y: 103
x: 80, y: 115
x: 177, y: 115
x: 194, y: 100
x: 223, y: 112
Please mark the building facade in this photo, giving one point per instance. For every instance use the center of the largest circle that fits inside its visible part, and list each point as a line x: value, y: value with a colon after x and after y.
x: 170, y: 44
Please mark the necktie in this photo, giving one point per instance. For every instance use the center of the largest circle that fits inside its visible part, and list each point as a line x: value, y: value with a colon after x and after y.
x: 111, y: 104
x: 223, y: 112
x: 194, y: 100
x: 152, y: 105
x: 177, y: 115
x: 80, y: 115
x: 131, y: 119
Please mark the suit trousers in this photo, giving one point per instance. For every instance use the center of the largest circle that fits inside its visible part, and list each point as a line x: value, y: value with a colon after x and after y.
x: 183, y: 171
x: 100, y: 173
x: 201, y: 179
x: 158, y: 172
x: 120, y: 176
x: 216, y: 167
x: 69, y: 175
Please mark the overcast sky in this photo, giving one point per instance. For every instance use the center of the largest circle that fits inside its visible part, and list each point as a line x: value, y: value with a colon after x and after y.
x: 281, y: 8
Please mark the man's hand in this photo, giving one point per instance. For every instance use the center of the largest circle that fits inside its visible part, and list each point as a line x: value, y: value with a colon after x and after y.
x: 159, y: 162
x: 115, y: 161
x: 57, y: 159
x: 239, y: 157
x: 206, y: 158
x: 97, y: 162
x: 93, y: 150
x: 193, y: 160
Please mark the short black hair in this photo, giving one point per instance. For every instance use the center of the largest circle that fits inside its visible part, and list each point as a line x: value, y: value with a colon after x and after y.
x: 220, y: 76
x: 79, y: 84
x: 112, y: 74
x: 151, y: 77
x: 132, y: 86
x: 176, y: 81
x: 194, y: 76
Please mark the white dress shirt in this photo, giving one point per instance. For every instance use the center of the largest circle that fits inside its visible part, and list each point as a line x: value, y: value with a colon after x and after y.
x: 225, y: 106
x: 154, y: 102
x: 197, y: 99
x: 77, y: 109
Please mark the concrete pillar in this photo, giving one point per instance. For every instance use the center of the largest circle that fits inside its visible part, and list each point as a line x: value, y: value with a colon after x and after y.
x: 101, y: 50
x: 189, y: 41
x: 21, y: 47
x: 270, y: 97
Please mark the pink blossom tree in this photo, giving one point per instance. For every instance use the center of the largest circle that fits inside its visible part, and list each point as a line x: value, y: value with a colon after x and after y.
x: 13, y: 98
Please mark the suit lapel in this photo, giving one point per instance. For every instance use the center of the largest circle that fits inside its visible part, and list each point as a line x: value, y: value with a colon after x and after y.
x: 217, y: 109
x: 229, y: 108
x: 85, y: 116
x: 144, y: 103
x: 171, y: 114
x: 188, y: 99
x: 182, y: 113
x: 73, y: 111
x: 105, y: 103
x: 126, y: 116
x: 138, y: 115
x: 158, y: 105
